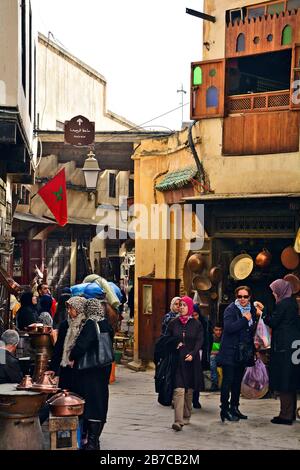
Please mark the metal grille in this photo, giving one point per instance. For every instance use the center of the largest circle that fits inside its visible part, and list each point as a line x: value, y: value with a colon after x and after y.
x: 255, y: 224
x: 239, y: 104
x: 276, y: 101
x: 259, y: 102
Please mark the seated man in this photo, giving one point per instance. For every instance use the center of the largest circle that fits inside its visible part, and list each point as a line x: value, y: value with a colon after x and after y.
x: 10, y: 370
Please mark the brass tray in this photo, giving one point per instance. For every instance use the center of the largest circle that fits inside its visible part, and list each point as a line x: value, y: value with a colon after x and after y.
x: 44, y: 388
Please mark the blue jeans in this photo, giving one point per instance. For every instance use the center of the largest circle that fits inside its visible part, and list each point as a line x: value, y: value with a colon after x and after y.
x: 213, y: 370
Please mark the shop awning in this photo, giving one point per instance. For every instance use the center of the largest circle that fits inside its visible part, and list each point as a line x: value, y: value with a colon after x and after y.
x: 32, y: 218
x: 71, y: 221
x: 220, y: 197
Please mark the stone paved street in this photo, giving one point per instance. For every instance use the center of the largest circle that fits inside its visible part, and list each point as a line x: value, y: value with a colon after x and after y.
x: 137, y: 421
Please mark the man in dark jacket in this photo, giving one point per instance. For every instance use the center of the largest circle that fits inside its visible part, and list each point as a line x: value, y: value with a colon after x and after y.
x: 10, y: 371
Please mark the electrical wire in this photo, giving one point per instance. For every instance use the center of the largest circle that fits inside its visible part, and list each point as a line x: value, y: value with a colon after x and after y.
x: 150, y: 120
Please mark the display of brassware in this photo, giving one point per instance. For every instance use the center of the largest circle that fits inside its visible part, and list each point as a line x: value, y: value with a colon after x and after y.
x: 46, y: 384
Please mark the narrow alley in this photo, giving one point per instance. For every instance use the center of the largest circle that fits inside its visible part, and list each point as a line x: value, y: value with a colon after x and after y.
x: 136, y: 421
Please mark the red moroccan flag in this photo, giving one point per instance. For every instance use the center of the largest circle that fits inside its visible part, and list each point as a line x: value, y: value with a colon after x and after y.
x: 54, y: 194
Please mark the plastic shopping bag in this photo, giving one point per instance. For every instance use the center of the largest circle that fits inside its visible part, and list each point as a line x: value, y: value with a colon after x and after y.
x: 262, y: 336
x: 256, y: 377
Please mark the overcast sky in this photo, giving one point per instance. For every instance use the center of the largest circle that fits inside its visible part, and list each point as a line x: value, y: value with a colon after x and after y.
x: 143, y: 48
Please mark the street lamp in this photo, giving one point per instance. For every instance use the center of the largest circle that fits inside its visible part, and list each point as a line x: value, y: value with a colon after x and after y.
x: 91, y: 172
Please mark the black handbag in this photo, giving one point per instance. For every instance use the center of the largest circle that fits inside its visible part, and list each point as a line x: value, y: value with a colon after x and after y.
x: 244, y: 354
x: 100, y: 356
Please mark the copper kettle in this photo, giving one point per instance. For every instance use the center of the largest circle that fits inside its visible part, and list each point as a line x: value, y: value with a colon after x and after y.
x: 263, y: 259
x: 66, y: 403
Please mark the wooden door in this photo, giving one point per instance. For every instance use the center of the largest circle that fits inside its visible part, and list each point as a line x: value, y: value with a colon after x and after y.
x: 155, y: 296
x: 33, y: 254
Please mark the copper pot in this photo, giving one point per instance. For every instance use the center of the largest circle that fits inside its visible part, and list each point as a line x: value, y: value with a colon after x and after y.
x: 20, y: 403
x: 196, y: 263
x: 47, y: 378
x: 25, y: 383
x: 263, y: 259
x: 201, y: 283
x: 42, y: 340
x: 289, y: 258
x: 215, y: 274
x: 66, y: 403
x: 39, y: 328
x: 241, y: 267
x: 294, y: 281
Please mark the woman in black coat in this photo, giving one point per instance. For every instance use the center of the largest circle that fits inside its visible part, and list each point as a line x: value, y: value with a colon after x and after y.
x: 284, y: 374
x: 188, y: 373
x: 239, y: 328
x: 68, y: 332
x: 93, y: 382
x: 28, y: 312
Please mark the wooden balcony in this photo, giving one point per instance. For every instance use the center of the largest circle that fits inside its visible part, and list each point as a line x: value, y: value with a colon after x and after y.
x: 254, y: 102
x: 263, y: 34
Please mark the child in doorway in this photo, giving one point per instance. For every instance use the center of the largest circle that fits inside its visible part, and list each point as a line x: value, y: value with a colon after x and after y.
x: 217, y: 336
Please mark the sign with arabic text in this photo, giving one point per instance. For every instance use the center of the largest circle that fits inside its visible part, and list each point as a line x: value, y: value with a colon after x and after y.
x: 79, y: 131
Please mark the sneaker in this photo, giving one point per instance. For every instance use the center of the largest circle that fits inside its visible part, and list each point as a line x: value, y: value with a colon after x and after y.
x: 177, y: 427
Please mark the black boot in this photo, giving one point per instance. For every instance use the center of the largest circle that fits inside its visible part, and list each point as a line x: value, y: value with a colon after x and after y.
x: 84, y: 431
x: 196, y: 402
x: 94, y: 432
x: 225, y: 414
x: 234, y: 410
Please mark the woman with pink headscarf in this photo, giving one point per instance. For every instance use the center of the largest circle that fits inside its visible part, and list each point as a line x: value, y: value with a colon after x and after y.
x: 189, y: 335
x: 284, y: 372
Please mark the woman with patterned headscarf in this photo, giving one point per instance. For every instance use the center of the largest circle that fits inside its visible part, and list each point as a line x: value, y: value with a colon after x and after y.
x: 173, y: 313
x: 68, y: 333
x: 94, y: 381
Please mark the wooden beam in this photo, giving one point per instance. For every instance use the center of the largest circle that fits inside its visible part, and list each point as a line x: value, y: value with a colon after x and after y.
x: 203, y: 16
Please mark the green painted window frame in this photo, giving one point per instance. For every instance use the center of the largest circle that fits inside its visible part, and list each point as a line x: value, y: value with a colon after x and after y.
x: 197, y: 76
x: 287, y: 35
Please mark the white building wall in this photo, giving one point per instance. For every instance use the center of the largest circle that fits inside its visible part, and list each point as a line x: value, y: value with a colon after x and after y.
x: 67, y: 87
